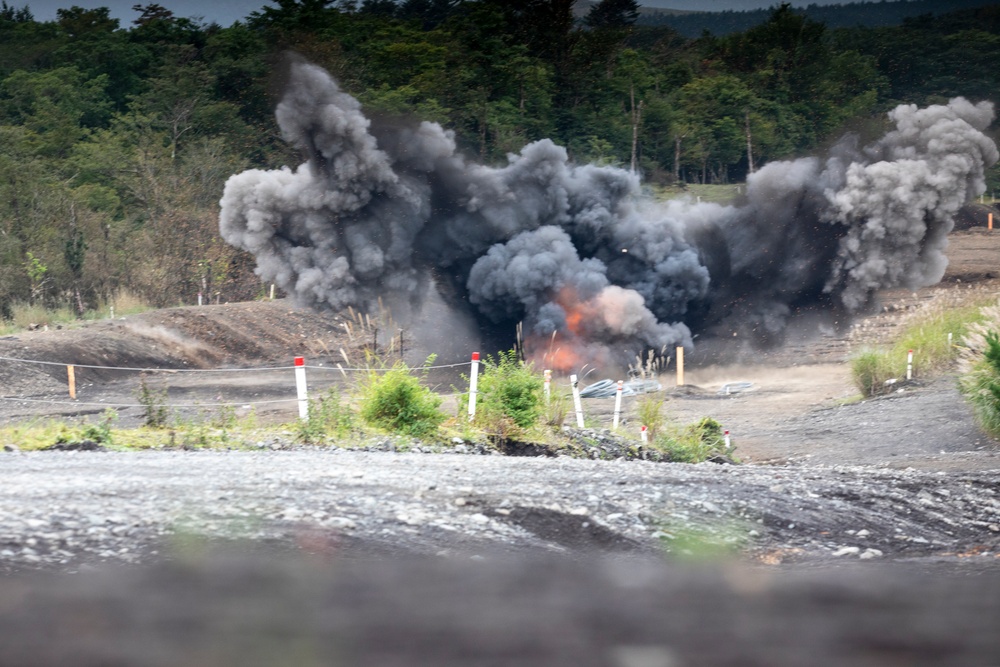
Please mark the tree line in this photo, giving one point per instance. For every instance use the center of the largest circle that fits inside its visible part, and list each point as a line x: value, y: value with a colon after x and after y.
x: 115, y: 141
x: 843, y: 15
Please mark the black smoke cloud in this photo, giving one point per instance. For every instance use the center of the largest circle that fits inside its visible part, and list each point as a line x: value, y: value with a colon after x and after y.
x: 391, y: 211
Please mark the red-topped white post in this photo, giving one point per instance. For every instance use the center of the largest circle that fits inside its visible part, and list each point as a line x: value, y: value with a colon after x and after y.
x: 909, y: 365
x: 300, y: 387
x: 473, y: 385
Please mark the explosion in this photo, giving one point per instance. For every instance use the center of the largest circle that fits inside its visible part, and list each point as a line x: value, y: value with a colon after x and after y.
x: 595, y: 272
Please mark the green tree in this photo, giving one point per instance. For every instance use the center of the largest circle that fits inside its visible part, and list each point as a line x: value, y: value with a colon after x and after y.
x: 56, y: 106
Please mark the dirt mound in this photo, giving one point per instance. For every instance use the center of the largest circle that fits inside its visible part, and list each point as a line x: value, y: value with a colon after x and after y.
x: 109, y: 357
x: 973, y: 216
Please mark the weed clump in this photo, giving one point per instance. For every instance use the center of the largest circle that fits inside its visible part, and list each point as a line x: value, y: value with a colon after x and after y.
x: 694, y: 443
x: 649, y: 411
x: 328, y: 415
x: 871, y: 370
x: 154, y: 404
x: 510, y: 399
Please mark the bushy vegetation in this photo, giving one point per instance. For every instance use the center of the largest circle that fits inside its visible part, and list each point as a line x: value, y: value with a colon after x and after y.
x: 927, y: 334
x: 979, y: 365
x: 981, y: 385
x: 693, y: 443
x: 509, y: 400
x: 395, y: 400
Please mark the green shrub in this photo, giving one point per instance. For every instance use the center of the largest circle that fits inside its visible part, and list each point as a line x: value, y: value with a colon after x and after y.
x: 328, y: 415
x: 694, y: 443
x: 510, y: 398
x: 395, y: 400
x: 101, y: 431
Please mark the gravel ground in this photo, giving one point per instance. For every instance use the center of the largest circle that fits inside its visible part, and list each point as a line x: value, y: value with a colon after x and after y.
x: 67, y: 510
x: 335, y: 557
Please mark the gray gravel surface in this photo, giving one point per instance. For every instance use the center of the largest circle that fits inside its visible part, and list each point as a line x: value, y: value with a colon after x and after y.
x: 66, y: 510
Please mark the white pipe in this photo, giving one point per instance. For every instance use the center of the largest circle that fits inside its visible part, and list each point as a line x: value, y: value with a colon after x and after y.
x: 618, y: 404
x: 576, y: 401
x: 548, y: 385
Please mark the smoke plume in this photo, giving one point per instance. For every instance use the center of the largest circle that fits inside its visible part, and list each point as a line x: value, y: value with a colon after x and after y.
x: 391, y: 211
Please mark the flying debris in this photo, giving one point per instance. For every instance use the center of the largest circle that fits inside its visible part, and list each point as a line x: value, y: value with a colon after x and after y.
x: 392, y: 210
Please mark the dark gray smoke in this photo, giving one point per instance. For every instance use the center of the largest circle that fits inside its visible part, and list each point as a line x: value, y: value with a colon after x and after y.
x: 390, y: 210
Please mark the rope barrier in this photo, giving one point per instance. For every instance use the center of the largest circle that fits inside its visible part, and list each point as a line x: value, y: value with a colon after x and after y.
x: 216, y: 370
x: 147, y: 370
x: 139, y: 405
x: 388, y: 368
x: 299, y: 368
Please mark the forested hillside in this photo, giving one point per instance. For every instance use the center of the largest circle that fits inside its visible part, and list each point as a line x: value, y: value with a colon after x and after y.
x: 842, y: 15
x: 115, y: 141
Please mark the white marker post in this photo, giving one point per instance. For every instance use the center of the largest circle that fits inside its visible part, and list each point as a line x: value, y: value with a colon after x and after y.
x: 576, y: 401
x: 729, y: 443
x: 618, y: 404
x: 272, y: 291
x: 300, y: 387
x: 909, y: 365
x: 548, y: 385
x: 644, y: 433
x: 680, y: 366
x: 473, y: 385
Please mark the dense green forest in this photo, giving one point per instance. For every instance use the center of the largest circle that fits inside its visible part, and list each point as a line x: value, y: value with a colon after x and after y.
x: 115, y: 141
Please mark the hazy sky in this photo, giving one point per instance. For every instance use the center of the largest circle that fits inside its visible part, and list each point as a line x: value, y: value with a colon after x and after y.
x: 225, y: 12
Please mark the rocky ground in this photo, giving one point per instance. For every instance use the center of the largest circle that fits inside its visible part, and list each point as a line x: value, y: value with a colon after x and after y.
x: 377, y: 558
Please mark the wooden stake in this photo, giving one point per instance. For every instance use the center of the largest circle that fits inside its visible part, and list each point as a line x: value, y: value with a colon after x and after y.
x: 680, y: 366
x: 71, y: 376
